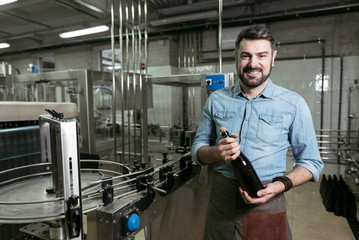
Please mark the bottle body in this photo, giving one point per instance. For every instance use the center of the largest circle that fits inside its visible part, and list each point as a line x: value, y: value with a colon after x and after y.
x: 247, y: 175
x: 245, y: 172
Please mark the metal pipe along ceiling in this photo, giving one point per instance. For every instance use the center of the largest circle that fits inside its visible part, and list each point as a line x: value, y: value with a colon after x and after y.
x: 185, y: 18
x: 185, y: 9
x: 265, y: 18
x: 204, y: 25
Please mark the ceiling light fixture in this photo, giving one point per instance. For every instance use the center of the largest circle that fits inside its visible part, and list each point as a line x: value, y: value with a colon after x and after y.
x: 86, y: 31
x: 89, y: 6
x: 3, y: 2
x: 4, y: 45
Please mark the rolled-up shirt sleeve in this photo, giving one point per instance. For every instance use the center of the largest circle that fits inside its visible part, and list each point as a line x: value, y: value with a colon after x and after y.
x: 303, y: 140
x: 205, y: 135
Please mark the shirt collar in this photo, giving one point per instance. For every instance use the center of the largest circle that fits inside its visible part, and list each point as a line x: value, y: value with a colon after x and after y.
x: 267, y: 92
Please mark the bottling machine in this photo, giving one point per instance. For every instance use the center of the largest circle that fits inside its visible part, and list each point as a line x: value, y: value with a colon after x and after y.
x: 54, y: 194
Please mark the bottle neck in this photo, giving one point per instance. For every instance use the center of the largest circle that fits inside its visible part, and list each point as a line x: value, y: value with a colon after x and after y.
x: 225, y: 134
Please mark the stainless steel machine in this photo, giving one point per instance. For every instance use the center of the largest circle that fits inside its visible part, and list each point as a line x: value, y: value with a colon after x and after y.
x: 93, y: 93
x: 116, y: 199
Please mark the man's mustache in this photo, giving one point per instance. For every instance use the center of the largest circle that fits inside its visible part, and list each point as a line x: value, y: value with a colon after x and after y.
x: 250, y: 69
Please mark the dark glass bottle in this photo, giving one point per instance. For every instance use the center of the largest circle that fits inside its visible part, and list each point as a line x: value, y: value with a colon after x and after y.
x: 244, y: 171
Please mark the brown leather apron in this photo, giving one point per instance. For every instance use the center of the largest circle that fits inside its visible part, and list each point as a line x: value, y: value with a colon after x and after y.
x: 230, y: 218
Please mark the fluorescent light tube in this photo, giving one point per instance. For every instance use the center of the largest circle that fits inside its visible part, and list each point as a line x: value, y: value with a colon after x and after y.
x: 85, y: 31
x: 89, y: 6
x: 3, y: 2
x: 4, y: 45
x: 116, y: 67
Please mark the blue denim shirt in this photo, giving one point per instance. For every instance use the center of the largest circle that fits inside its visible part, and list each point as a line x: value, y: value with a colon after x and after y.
x: 267, y: 125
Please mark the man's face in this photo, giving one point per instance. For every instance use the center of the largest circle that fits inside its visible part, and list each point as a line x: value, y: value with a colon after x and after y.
x: 254, y: 61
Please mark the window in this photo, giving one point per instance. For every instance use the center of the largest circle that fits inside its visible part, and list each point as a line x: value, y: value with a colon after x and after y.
x: 106, y: 60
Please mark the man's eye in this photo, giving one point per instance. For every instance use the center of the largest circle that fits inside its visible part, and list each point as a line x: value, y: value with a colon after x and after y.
x: 244, y: 56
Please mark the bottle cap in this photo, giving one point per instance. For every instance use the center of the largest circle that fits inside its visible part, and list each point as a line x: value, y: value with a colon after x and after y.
x: 223, y: 129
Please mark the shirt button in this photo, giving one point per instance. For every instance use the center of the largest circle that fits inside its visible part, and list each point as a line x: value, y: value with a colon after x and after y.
x: 244, y: 137
x: 249, y: 102
x: 246, y: 119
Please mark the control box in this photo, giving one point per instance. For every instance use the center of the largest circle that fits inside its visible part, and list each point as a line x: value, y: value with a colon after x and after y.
x: 214, y: 81
x: 218, y: 81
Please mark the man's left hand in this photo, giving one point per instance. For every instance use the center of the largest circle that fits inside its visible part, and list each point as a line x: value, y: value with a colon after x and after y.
x: 270, y: 190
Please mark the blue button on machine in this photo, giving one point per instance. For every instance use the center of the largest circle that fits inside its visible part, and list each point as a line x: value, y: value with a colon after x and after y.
x: 133, y: 222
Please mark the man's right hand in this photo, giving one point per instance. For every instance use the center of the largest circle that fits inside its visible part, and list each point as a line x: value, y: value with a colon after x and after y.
x: 229, y: 148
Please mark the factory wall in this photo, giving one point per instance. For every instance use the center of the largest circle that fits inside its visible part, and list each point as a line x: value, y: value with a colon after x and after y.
x: 340, y: 33
x: 304, y: 77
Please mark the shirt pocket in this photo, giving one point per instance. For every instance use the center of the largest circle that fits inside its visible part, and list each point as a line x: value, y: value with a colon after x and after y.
x: 270, y: 127
x: 225, y: 119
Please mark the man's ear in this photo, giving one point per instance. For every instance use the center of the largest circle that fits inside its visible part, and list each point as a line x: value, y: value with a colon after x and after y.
x: 273, y: 57
x: 235, y: 53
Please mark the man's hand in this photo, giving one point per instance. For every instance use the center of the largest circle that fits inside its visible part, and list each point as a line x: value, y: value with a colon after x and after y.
x: 264, y: 195
x: 229, y: 148
x: 298, y: 176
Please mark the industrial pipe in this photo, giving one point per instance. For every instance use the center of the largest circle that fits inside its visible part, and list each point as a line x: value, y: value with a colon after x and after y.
x: 220, y: 34
x: 128, y: 82
x: 134, y: 53
x: 123, y: 100
x: 114, y: 128
x: 340, y: 94
x: 144, y: 93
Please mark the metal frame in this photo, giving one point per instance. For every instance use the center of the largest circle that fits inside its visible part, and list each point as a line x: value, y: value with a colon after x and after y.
x: 184, y: 81
x: 59, y: 145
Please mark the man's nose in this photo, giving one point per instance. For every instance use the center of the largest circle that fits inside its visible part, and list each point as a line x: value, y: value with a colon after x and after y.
x: 253, y: 62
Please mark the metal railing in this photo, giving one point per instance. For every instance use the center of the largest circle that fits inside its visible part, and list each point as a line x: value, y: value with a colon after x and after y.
x: 340, y: 147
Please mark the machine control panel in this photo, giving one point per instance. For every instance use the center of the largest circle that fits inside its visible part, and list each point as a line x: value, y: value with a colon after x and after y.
x: 216, y: 81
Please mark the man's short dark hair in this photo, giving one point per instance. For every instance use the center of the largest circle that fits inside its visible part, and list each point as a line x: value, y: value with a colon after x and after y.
x: 255, y: 32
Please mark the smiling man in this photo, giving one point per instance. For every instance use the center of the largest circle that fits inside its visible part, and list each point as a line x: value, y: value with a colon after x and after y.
x: 264, y: 120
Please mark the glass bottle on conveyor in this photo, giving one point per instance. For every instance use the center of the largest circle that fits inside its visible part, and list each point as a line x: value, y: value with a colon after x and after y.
x: 244, y: 171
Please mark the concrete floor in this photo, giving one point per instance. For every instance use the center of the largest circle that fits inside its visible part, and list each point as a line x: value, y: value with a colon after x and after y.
x: 308, y: 218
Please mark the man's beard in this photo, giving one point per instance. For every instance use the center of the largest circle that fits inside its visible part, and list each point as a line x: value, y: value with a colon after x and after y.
x: 257, y: 82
